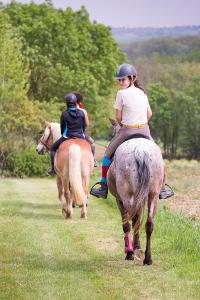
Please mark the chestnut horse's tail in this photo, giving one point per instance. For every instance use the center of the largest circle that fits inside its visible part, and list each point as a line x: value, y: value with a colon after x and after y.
x: 75, y: 177
x: 142, y: 161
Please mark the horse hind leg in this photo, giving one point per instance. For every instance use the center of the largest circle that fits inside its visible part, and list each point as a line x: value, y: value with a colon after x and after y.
x: 149, y: 230
x: 85, y: 181
x: 68, y: 206
x: 61, y: 196
x: 152, y: 205
x: 128, y: 249
x: 127, y: 238
x: 136, y: 227
x: 60, y: 190
x: 84, y: 211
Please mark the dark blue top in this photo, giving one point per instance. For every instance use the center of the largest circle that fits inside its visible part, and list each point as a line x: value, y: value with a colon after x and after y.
x: 72, y: 123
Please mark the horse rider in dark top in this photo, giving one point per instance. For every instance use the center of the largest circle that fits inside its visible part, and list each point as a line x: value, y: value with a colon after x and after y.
x: 73, y: 122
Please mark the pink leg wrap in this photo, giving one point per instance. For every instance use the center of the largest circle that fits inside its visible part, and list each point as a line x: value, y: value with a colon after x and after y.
x: 128, y: 243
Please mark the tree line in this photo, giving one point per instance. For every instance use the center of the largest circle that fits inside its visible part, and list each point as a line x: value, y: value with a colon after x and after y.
x: 47, y: 52
x: 44, y: 54
x: 170, y: 70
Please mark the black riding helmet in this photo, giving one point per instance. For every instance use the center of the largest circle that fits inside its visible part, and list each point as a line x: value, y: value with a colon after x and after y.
x: 71, y: 99
x: 125, y: 70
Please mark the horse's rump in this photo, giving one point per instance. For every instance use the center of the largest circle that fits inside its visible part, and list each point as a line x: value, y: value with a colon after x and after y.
x: 63, y: 153
x: 138, y: 170
x: 73, y: 162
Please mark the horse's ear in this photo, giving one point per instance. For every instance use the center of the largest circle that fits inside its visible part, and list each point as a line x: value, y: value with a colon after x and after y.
x: 47, y: 124
x: 113, y: 122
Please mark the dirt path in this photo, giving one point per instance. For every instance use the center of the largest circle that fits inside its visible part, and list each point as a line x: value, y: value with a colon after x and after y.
x: 184, y: 176
x: 100, y: 149
x: 188, y: 207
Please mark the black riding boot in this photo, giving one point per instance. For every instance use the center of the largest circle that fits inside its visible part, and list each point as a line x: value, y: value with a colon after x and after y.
x: 51, y: 170
x: 101, y: 192
x: 166, y: 192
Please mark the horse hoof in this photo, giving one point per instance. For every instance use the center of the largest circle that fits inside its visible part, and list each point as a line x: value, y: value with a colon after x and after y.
x: 147, y: 261
x: 83, y: 216
x: 66, y: 214
x: 129, y: 256
x: 139, y: 255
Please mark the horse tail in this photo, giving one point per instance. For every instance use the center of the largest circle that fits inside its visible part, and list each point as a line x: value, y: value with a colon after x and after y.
x: 75, y: 177
x: 142, y: 161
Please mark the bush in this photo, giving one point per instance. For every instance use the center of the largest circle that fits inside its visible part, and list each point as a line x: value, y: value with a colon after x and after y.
x: 26, y: 163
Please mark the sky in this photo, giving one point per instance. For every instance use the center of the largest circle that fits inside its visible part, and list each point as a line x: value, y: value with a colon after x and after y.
x: 132, y: 13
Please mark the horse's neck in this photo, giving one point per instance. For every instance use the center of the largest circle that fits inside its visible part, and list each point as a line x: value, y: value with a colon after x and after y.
x: 55, y: 128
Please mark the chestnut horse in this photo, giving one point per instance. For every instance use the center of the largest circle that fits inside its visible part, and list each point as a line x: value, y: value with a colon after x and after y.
x: 73, y: 165
x: 135, y: 177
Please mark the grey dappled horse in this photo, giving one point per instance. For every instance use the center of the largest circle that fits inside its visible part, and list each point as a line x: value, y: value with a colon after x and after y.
x: 135, y: 177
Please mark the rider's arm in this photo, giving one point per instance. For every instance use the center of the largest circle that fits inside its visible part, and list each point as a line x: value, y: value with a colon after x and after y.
x: 118, y: 106
x: 62, y: 124
x: 118, y: 115
x: 149, y: 113
x: 86, y: 118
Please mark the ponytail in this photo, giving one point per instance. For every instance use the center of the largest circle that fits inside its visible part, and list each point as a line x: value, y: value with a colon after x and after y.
x: 136, y: 83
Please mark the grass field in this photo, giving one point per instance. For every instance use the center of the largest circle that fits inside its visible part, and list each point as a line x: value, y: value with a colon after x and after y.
x: 44, y: 256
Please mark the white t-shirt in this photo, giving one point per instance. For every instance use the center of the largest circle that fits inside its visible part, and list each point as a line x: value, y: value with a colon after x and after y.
x: 133, y: 103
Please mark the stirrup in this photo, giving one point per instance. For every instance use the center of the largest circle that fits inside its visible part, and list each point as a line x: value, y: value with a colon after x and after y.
x: 99, y: 182
x: 97, y: 193
x: 166, y: 193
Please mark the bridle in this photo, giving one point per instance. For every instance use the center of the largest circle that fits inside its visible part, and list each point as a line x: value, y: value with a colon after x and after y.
x: 45, y: 143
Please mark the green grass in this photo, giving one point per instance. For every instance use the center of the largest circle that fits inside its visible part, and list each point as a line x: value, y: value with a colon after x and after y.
x: 44, y: 256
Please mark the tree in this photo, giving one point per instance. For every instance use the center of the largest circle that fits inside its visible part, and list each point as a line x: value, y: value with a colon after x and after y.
x: 161, y: 123
x: 18, y: 117
x: 67, y: 52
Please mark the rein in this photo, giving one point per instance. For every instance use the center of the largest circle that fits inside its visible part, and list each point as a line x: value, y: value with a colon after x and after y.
x: 45, y: 143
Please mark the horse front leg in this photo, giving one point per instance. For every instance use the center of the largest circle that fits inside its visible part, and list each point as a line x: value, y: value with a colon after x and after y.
x: 152, y: 205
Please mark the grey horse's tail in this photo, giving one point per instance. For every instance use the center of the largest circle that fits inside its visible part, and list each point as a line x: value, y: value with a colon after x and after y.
x: 142, y: 161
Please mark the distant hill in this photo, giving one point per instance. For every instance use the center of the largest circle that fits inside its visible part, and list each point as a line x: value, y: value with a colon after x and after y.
x: 185, y: 48
x: 128, y: 35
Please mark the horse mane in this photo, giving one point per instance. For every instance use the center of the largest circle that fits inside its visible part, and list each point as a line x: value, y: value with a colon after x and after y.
x: 55, y: 129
